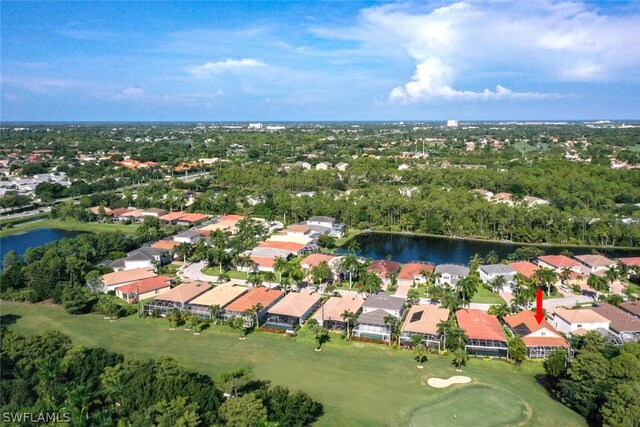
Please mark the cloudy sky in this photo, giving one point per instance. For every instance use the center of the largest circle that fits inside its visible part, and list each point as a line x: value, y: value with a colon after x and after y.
x: 493, y: 60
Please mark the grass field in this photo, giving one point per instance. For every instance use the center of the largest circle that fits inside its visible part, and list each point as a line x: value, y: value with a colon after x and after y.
x: 359, y: 384
x: 485, y: 296
x: 94, y: 227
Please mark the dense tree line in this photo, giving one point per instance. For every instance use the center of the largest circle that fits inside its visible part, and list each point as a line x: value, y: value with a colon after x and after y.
x: 92, y: 386
x: 601, y: 381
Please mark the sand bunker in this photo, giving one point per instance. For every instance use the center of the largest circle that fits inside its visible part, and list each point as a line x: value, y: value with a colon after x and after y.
x: 442, y: 383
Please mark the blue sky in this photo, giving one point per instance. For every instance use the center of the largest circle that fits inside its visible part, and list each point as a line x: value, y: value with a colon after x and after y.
x: 271, y: 61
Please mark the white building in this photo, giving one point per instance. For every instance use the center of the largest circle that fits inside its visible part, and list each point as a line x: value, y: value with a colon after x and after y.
x: 323, y: 166
x: 578, y: 321
x: 490, y: 272
x: 452, y: 123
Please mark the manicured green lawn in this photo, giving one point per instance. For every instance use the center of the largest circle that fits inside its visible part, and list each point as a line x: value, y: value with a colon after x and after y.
x: 485, y: 296
x: 94, y: 227
x: 359, y: 384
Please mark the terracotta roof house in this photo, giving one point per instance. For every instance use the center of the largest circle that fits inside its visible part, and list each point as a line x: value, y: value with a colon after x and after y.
x: 412, y: 272
x: 231, y: 217
x: 313, y: 260
x: 486, y: 337
x: 167, y: 245
x: 331, y: 312
x: 558, y: 263
x: 221, y: 295
x: 595, y: 263
x: 96, y: 210
x: 143, y: 289
x: 172, y: 217
x: 631, y: 307
x: 191, y: 219
x: 115, y: 213
x: 133, y: 215
x: 295, y: 229
x: 264, y: 263
x: 154, y: 212
x: 449, y: 274
x: 264, y: 296
x: 287, y: 246
x: 623, y: 324
x: 540, y: 338
x: 178, y: 298
x: 292, y: 310
x: 119, y: 278
x: 293, y: 238
x: 571, y: 321
x: 525, y: 268
x: 630, y: 261
x: 262, y: 252
x: 375, y: 309
x: 384, y: 267
x: 423, y: 320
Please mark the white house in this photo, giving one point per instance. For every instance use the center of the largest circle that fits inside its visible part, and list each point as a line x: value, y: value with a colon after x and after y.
x: 188, y: 236
x: 449, y: 274
x: 323, y: 166
x: 572, y: 321
x: 489, y: 273
x: 342, y: 166
x: 371, y: 323
x: 595, y: 263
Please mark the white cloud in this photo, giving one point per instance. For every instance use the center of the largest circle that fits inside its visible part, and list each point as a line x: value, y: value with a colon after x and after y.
x: 222, y: 66
x: 463, y: 44
x: 131, y: 93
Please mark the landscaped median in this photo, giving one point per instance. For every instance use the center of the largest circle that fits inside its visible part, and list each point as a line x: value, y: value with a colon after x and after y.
x: 358, y: 383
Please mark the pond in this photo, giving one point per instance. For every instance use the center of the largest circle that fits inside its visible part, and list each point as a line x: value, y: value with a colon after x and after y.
x: 19, y: 243
x: 443, y: 250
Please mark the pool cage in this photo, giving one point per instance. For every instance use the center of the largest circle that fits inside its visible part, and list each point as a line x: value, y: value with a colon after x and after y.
x: 487, y: 348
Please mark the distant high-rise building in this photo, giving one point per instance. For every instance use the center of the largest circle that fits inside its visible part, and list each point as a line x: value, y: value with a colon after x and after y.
x: 452, y: 123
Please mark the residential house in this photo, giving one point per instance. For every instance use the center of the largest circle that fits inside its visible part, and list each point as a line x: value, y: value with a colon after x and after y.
x: 111, y: 281
x: 631, y: 307
x: 127, y: 215
x: 490, y: 272
x: 413, y: 272
x: 578, y: 321
x: 144, y: 288
x: 505, y: 198
x: 221, y: 295
x: 384, y: 269
x: 172, y: 217
x: 486, y: 337
x: 154, y: 212
x: 191, y: 219
x: 625, y: 326
x: 342, y: 166
x: 371, y: 323
x: 540, y: 338
x: 143, y: 257
x: 165, y: 245
x: 525, y: 268
x: 334, y: 228
x: 423, y: 320
x: 595, y: 263
x: 177, y: 298
x: 534, y: 201
x: 188, y: 236
x: 559, y: 263
x: 292, y: 310
x: 630, y: 262
x: 295, y: 248
x: 264, y: 296
x: 330, y: 313
x: 323, y: 166
x: 303, y: 165
x: 449, y: 274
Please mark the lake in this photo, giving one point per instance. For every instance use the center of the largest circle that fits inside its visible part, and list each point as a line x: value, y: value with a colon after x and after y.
x: 442, y: 250
x: 19, y: 243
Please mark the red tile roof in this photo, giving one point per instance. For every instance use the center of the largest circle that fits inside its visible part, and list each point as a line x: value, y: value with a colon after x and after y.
x: 559, y: 261
x: 287, y: 246
x: 525, y: 268
x: 480, y: 325
x: 193, y: 217
x: 382, y: 267
x: 263, y: 261
x: 264, y: 296
x: 146, y: 285
x: 185, y: 292
x: 231, y: 217
x: 630, y: 261
x: 545, y: 341
x: 409, y: 271
x: 528, y: 319
x: 168, y: 245
x: 315, y: 259
x: 172, y: 216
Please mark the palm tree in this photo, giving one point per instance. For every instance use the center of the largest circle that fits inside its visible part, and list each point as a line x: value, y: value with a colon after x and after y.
x: 254, y: 279
x: 239, y: 323
x: 353, y: 246
x: 450, y: 301
x: 467, y: 287
x: 215, y: 311
x: 218, y: 256
x: 392, y: 322
x: 498, y: 283
x: 351, y: 264
x: 186, y: 318
x: 457, y: 338
x: 598, y: 283
x: 245, y: 261
x: 173, y: 317
x: 349, y: 317
x: 321, y: 334
x: 460, y: 358
x: 564, y: 275
x: 372, y: 284
x: 183, y: 250
x: 269, y: 276
x: 255, y: 310
x: 492, y: 258
x: 611, y: 275
x: 500, y: 310
x: 280, y: 266
x: 420, y: 354
x: 544, y: 276
x: 444, y: 328
x: 392, y: 277
x: 475, y: 262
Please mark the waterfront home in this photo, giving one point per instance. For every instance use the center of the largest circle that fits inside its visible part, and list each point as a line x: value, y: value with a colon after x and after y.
x: 127, y: 215
x: 188, y: 236
x: 625, y: 326
x: 559, y: 263
x: 595, y: 263
x: 332, y: 227
x: 177, y: 298
x: 371, y: 323
x: 525, y: 268
x: 330, y: 313
x: 449, y: 274
x: 384, y: 268
x: 490, y: 272
x: 264, y: 296
x: 413, y: 272
x: 292, y: 310
x: 630, y: 262
x: 143, y: 257
x: 144, y: 288
x: 295, y: 248
x: 423, y: 320
x: 578, y: 321
x: 221, y: 295
x: 540, y: 338
x: 109, y: 282
x: 486, y: 337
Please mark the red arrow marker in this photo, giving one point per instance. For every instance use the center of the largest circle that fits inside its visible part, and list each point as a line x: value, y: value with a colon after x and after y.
x: 539, y: 313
